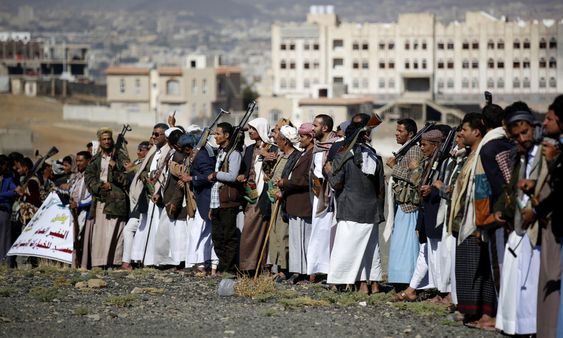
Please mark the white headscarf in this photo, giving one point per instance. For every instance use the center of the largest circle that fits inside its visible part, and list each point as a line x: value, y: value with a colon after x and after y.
x: 262, y: 127
x: 291, y: 134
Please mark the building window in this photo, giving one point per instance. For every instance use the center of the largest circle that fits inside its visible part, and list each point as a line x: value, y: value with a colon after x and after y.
x: 316, y: 64
x: 552, y: 82
x: 292, y: 65
x: 306, y: 46
x: 440, y: 64
x: 440, y: 83
x: 275, y: 115
x: 122, y: 86
x: 407, y: 45
x: 475, y: 83
x: 450, y: 45
x: 526, y: 63
x: 194, y: 86
x: 391, y: 64
x: 283, y: 65
x: 526, y: 44
x: 516, y: 63
x: 338, y: 43
x: 391, y: 45
x: 337, y: 62
x: 137, y: 86
x: 306, y: 65
x: 464, y: 45
x: 552, y: 63
x: 490, y: 83
x: 424, y: 45
x: 407, y: 64
x: 355, y: 83
x: 475, y: 64
x: 423, y: 63
x: 543, y: 63
x: 465, y: 64
x: 415, y: 64
x: 355, y: 45
x: 543, y: 45
x: 450, y: 64
x: 526, y: 83
x: 381, y: 83
x: 306, y: 83
x: 516, y: 44
x: 450, y: 83
x: 490, y: 44
x: 221, y: 87
x: 415, y: 45
x: 465, y: 83
x: 283, y: 84
x: 491, y: 63
x: 500, y: 83
x: 516, y: 83
x: 282, y: 46
x: 391, y: 83
x: 552, y: 43
x: 338, y: 80
x: 440, y: 45
x: 292, y: 84
x: 204, y: 86
x: 172, y: 87
x: 356, y: 64
x: 365, y: 64
x: 475, y: 44
x: 292, y: 46
x: 381, y: 45
x: 543, y: 83
x: 365, y: 83
x: 500, y: 64
x: 365, y: 45
x: 381, y: 64
x: 500, y: 44
x: 315, y: 46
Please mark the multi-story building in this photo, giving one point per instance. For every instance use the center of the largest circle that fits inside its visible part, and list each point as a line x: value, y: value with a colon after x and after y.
x: 195, y: 91
x: 418, y: 60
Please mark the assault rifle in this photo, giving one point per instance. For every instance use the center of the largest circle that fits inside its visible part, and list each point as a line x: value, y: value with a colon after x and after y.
x: 37, y: 166
x: 238, y: 132
x: 439, y: 156
x: 119, y: 143
x: 205, y: 134
x: 413, y: 141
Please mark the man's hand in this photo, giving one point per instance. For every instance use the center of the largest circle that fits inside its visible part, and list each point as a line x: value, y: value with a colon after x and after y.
x: 106, y: 186
x: 528, y: 217
x: 279, y: 183
x: 270, y: 156
x: 112, y: 164
x: 172, y: 120
x: 209, y: 215
x: 241, y: 178
x: 212, y: 177
x: 527, y: 186
x: 186, y: 178
x: 498, y: 217
x: 19, y: 190
x: 438, y: 184
x: 391, y: 162
x: 73, y: 204
x: 172, y: 208
x: 425, y: 190
x: 279, y: 195
x: 549, y: 150
x: 328, y: 167
x: 155, y: 198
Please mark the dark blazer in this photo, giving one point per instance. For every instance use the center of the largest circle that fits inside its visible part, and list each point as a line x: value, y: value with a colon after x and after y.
x: 295, y: 190
x: 202, y: 166
x: 172, y: 194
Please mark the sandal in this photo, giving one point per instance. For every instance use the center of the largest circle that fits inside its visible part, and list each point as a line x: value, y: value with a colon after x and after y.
x: 404, y: 297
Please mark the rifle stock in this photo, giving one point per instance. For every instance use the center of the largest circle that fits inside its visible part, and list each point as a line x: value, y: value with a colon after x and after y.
x: 413, y: 141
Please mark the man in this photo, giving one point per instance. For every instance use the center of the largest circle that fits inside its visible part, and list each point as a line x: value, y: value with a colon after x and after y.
x: 519, y: 283
x: 357, y: 178
x: 287, y: 140
x: 259, y: 208
x: 107, y: 182
x: 7, y: 197
x: 80, y: 202
x: 468, y: 215
x: 225, y: 199
x: 140, y: 234
x: 547, y: 210
x: 295, y: 193
x: 401, y: 224
x: 68, y: 167
x: 318, y: 251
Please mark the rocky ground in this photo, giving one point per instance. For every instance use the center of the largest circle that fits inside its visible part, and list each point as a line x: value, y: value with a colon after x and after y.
x: 50, y: 301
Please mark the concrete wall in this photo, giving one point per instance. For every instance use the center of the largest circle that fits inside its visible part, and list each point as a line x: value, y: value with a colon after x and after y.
x: 107, y: 114
x: 16, y: 140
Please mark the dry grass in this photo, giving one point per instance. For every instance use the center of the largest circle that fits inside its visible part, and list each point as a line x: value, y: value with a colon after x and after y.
x: 44, y: 294
x: 122, y: 301
x: 251, y: 288
x: 7, y: 292
x: 303, y: 301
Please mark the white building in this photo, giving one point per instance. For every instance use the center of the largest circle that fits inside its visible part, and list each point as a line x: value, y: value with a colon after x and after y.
x: 418, y: 59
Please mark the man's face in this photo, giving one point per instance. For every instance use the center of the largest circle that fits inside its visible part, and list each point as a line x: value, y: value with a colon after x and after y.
x: 551, y: 124
x: 280, y: 140
x: 106, y: 141
x: 253, y: 134
x: 67, y: 167
x: 48, y: 171
x: 401, y: 134
x: 428, y: 148
x: 142, y: 152
x: 81, y: 163
x: 274, y: 133
x: 221, y: 138
x: 319, y: 128
x: 188, y: 151
x: 470, y: 136
x: 305, y: 141
x: 158, y: 138
x: 21, y: 169
x: 523, y: 134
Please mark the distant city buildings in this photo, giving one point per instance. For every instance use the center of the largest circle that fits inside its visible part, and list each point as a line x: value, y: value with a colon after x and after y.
x: 418, y: 66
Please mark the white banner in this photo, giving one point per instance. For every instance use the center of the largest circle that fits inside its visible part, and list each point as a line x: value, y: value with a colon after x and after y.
x: 49, y: 234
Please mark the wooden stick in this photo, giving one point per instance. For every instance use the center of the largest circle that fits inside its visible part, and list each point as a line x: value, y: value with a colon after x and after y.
x: 273, y: 219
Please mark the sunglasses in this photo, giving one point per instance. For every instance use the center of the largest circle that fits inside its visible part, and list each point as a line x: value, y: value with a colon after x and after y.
x: 157, y: 134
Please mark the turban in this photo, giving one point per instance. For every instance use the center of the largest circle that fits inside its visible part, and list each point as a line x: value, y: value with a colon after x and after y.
x: 307, y: 129
x: 290, y: 133
x: 193, y: 129
x: 433, y: 135
x: 262, y: 127
x: 169, y: 131
x: 102, y: 131
x: 344, y: 125
x: 187, y: 140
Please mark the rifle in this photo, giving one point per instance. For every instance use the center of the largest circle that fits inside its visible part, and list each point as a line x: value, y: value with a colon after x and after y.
x: 238, y: 132
x: 488, y: 97
x: 439, y: 156
x: 413, y: 141
x: 37, y: 166
x: 205, y: 134
x: 120, y: 141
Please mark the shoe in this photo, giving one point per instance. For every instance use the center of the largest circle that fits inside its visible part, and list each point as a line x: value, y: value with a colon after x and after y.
x: 293, y: 279
x: 404, y: 297
x: 279, y: 279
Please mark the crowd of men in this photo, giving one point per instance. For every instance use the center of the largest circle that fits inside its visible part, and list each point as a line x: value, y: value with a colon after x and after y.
x: 469, y: 211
